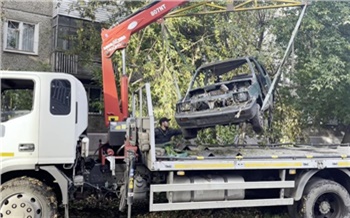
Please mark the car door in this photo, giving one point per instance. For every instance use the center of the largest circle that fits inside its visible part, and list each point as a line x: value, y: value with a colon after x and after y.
x: 267, y: 83
x: 262, y: 77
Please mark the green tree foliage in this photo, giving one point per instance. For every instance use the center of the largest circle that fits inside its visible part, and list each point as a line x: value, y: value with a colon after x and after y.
x: 17, y: 99
x: 15, y: 102
x: 321, y: 80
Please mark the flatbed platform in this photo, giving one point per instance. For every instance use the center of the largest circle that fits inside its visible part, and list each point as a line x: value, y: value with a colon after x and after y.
x: 257, y: 157
x: 263, y: 151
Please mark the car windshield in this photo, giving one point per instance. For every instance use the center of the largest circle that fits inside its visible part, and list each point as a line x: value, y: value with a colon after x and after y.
x: 220, y: 72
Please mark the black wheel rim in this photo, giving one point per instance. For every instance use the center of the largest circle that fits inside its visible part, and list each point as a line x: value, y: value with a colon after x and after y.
x: 328, y: 205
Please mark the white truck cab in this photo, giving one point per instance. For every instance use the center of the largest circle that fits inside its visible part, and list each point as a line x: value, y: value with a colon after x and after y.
x: 43, y: 116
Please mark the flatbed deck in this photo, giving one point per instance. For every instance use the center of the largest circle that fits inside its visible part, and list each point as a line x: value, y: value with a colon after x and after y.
x: 257, y: 157
x: 262, y: 151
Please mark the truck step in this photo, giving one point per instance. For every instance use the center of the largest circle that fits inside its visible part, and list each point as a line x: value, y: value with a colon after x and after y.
x: 220, y: 204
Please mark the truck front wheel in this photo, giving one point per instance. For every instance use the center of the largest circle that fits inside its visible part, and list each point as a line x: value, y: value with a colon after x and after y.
x: 325, y: 199
x: 27, y: 197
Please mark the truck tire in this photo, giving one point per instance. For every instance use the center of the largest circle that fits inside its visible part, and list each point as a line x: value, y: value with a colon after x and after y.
x: 27, y: 197
x: 325, y: 199
x: 258, y: 121
x: 294, y: 210
x: 189, y: 133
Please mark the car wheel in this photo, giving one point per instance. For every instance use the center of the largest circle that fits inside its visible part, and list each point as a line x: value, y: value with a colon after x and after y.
x: 27, y: 197
x: 258, y: 121
x: 325, y: 199
x: 189, y: 133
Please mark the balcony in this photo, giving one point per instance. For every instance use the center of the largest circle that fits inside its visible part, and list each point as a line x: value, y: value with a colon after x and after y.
x: 62, y: 62
x: 71, y: 64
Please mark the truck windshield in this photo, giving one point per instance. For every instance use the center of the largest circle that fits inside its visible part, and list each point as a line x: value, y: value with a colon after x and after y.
x: 16, y: 98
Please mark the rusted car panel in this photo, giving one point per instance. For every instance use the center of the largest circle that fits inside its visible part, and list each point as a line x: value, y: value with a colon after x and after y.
x: 221, y: 93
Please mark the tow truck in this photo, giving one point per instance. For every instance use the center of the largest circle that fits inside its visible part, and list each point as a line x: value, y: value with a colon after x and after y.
x: 45, y: 160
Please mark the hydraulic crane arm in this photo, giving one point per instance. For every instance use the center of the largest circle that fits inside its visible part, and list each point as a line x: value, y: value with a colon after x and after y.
x: 117, y: 38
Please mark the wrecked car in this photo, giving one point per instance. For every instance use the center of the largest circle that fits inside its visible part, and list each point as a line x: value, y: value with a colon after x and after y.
x: 225, y: 92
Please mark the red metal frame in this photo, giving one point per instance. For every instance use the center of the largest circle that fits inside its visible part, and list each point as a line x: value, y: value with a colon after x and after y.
x: 128, y: 147
x: 117, y: 38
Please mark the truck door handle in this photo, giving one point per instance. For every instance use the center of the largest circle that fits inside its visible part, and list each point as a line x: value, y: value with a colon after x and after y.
x: 26, y: 147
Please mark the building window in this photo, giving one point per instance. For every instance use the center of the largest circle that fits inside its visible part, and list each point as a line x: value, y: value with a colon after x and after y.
x: 60, y: 97
x: 21, y: 37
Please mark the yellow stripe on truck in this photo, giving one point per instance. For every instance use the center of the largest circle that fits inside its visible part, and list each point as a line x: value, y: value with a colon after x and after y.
x: 204, y: 165
x: 344, y: 163
x: 278, y: 164
x: 7, y: 154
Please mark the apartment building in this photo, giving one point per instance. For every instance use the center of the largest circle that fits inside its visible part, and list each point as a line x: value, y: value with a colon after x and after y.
x: 26, y: 35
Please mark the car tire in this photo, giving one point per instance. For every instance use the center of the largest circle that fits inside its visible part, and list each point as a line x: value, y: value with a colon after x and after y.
x: 258, y: 121
x: 325, y: 198
x: 27, y: 197
x: 189, y: 133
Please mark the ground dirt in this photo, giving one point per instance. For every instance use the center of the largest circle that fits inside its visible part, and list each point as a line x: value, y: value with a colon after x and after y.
x: 90, y: 208
x: 222, y: 213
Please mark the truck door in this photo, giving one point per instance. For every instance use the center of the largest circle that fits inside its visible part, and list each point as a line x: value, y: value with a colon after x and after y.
x: 19, y: 127
x: 58, y: 118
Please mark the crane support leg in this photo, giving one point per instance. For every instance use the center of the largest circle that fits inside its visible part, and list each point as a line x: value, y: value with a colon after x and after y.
x: 130, y: 196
